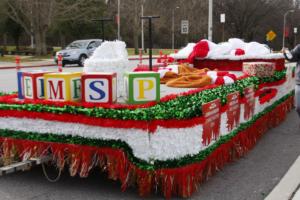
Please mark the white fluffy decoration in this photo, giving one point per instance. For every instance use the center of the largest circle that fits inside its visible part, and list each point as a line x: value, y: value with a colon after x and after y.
x: 110, y: 56
x: 255, y: 48
x: 213, y: 75
x: 162, y: 145
x: 220, y: 49
x: 236, y: 43
x: 226, y: 51
x: 184, y: 52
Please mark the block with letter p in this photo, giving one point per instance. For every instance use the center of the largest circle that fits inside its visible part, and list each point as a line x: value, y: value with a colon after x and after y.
x: 142, y: 87
x: 99, y: 87
x: 64, y: 86
x: 33, y: 84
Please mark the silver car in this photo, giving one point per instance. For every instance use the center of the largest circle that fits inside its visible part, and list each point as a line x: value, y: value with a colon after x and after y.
x: 78, y: 51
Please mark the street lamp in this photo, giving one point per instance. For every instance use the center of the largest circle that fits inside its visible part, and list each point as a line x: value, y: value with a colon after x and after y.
x: 149, y: 18
x: 173, y: 26
x: 284, y: 24
x: 102, y: 25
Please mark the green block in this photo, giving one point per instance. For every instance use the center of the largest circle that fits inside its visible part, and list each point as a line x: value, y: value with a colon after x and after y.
x: 142, y: 87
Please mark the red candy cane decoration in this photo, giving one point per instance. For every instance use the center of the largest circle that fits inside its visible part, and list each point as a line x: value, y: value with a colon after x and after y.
x: 60, y: 60
x: 18, y: 61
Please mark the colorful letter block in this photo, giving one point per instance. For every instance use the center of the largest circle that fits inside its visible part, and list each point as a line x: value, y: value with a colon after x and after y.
x: 99, y: 87
x: 33, y: 84
x: 64, y: 86
x: 142, y: 87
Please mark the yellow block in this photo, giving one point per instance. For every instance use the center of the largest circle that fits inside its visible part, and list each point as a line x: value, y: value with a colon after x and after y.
x: 65, y: 86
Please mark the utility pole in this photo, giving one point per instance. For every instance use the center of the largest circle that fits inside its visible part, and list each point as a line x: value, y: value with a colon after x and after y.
x: 210, y: 19
x: 119, y: 21
x: 295, y: 35
x: 173, y: 26
x: 149, y: 18
x: 142, y: 26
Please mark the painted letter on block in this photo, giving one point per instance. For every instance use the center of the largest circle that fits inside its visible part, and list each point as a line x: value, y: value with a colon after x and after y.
x: 99, y: 87
x: 55, y: 89
x: 142, y: 87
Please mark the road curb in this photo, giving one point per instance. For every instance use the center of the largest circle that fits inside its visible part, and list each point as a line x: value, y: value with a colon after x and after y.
x: 24, y: 67
x: 287, y: 186
x: 52, y: 65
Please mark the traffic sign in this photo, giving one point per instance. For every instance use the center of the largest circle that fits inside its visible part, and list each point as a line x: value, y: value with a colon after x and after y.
x: 271, y: 35
x: 222, y: 18
x: 184, y: 26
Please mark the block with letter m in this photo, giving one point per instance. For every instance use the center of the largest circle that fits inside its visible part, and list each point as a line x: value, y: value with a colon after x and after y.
x: 63, y: 86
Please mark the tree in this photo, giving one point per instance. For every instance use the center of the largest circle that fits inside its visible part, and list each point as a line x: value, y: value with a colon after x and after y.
x: 37, y: 16
x: 251, y: 19
x: 14, y: 30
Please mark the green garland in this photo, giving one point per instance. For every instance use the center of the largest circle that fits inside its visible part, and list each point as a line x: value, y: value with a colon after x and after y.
x: 155, y: 164
x: 182, y: 107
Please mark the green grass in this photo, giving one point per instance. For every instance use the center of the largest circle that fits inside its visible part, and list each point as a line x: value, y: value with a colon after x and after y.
x: 12, y: 58
x: 154, y: 51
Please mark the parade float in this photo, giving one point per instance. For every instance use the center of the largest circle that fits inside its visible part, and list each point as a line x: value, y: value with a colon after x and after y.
x: 164, y: 131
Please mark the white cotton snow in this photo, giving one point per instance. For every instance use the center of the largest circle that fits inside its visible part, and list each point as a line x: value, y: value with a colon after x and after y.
x: 255, y: 48
x: 110, y: 56
x: 226, y: 50
x: 184, y: 52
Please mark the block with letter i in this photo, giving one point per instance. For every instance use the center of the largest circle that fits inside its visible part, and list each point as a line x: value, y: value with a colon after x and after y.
x: 142, y: 87
x: 33, y: 84
x: 99, y: 87
x: 64, y: 86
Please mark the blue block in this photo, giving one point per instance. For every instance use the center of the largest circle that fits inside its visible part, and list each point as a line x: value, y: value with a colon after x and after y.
x: 20, y: 88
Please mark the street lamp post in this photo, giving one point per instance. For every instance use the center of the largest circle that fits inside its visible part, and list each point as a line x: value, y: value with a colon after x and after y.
x: 142, y: 26
x: 284, y: 24
x: 102, y: 25
x: 149, y: 18
x: 295, y: 35
x: 173, y: 26
x: 119, y: 21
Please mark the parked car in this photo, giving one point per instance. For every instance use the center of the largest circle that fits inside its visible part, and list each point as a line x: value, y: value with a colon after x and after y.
x: 78, y: 51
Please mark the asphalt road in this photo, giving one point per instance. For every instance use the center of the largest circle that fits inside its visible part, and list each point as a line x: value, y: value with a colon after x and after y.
x: 250, y: 178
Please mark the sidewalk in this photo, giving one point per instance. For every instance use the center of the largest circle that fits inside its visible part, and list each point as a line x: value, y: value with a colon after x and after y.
x: 288, y: 187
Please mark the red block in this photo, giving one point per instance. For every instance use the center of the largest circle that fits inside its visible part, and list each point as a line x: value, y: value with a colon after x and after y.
x: 99, y: 87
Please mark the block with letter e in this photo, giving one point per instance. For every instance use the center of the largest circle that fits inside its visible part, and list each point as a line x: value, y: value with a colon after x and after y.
x: 142, y: 87
x: 32, y: 85
x: 64, y: 86
x: 99, y: 87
